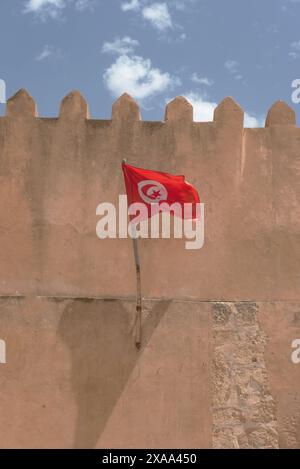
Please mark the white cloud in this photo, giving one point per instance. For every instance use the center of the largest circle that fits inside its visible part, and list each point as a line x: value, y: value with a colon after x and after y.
x: 204, y: 111
x: 53, y: 8
x: 35, y: 5
x: 46, y: 52
x: 82, y: 5
x: 201, y: 80
x: 181, y: 4
x: 158, y: 15
x: 231, y: 66
x: 45, y: 7
x: 131, y: 5
x: 296, y: 45
x: 137, y: 77
x: 253, y: 122
x: 295, y: 52
x: 123, y: 46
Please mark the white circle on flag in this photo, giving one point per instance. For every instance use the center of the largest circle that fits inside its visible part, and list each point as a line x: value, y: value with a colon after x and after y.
x: 152, y: 191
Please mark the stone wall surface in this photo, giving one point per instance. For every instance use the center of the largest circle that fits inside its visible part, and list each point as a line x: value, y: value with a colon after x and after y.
x: 243, y: 409
x: 215, y: 367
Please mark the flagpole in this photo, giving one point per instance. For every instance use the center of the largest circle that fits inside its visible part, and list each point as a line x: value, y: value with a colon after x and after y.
x: 138, y: 332
x: 138, y: 294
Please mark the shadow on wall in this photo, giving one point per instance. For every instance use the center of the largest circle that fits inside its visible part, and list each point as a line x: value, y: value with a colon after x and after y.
x: 100, y: 336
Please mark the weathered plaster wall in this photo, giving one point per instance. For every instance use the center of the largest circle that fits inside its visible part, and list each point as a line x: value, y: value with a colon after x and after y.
x: 75, y: 379
x: 215, y: 367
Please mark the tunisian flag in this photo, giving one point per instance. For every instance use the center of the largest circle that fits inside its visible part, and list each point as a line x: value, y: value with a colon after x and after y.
x: 153, y: 187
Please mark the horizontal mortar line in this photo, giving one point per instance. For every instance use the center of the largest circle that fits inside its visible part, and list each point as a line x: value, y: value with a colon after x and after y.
x: 133, y: 298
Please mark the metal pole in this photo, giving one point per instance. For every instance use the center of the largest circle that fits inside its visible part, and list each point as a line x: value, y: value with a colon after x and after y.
x: 138, y: 337
x: 138, y: 333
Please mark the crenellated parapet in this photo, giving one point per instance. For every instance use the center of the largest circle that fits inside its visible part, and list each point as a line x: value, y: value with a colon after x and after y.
x: 280, y: 114
x: 126, y: 109
x: 21, y: 105
x: 73, y: 106
x: 178, y: 110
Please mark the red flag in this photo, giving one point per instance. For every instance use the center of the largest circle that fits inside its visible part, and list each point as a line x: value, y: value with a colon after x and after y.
x: 155, y: 188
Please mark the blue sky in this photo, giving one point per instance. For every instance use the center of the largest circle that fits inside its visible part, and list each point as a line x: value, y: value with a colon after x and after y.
x: 155, y: 50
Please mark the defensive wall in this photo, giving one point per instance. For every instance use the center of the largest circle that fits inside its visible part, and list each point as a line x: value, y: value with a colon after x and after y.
x: 215, y: 366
